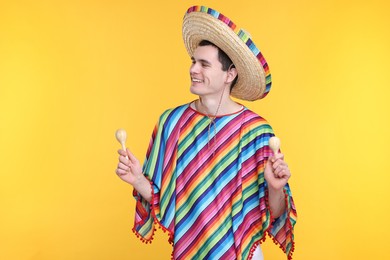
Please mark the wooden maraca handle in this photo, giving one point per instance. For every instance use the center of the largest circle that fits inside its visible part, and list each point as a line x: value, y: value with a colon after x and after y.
x: 274, y: 144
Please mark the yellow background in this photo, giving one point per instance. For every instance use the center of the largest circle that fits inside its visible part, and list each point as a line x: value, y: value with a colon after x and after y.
x: 72, y: 72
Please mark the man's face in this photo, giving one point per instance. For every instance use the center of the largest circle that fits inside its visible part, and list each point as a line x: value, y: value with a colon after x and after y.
x: 207, y: 77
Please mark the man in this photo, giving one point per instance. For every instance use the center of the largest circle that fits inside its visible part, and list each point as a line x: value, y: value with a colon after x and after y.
x: 210, y: 179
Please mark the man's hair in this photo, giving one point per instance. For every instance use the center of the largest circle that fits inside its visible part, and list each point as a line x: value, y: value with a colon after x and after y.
x: 223, y: 58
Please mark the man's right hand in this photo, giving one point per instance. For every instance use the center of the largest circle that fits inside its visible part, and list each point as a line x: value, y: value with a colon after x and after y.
x: 129, y: 170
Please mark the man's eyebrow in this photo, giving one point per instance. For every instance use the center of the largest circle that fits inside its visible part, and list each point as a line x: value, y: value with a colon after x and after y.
x: 201, y: 61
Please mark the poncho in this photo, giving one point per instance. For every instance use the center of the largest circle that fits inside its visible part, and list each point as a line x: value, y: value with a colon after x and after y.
x: 208, y: 186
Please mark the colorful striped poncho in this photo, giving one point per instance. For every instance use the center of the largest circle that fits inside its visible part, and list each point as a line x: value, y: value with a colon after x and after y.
x: 208, y: 184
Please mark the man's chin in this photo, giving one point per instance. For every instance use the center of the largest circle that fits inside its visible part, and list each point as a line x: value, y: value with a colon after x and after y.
x: 195, y: 90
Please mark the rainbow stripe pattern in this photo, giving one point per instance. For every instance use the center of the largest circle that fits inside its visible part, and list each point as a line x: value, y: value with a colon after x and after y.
x: 209, y: 191
x: 244, y: 36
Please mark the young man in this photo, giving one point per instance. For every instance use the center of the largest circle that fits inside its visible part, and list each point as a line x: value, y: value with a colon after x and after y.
x: 210, y: 178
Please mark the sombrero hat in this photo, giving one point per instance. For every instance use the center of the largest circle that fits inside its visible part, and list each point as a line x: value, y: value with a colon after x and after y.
x: 203, y: 23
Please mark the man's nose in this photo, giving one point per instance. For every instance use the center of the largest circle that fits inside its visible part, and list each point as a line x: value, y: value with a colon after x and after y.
x: 194, y: 68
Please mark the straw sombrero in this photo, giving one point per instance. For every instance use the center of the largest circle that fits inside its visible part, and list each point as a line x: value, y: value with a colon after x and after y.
x: 203, y: 23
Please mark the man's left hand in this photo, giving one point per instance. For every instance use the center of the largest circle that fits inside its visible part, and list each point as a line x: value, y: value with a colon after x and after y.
x: 276, y: 172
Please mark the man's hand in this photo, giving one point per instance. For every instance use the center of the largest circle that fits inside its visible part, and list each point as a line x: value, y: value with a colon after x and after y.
x: 129, y: 170
x: 276, y: 172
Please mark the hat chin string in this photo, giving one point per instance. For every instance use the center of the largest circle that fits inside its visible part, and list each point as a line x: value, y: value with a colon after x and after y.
x: 209, y: 115
x: 212, y: 121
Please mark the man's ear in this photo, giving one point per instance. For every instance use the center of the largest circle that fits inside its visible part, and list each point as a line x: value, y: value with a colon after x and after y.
x: 231, y: 75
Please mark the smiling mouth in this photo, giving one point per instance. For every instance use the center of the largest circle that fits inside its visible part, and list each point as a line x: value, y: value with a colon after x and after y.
x: 196, y: 80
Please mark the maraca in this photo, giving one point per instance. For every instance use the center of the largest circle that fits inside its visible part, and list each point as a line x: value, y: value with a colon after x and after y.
x: 274, y: 144
x: 121, y: 136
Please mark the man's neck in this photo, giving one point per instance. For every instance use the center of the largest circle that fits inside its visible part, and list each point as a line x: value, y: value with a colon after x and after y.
x: 214, y: 106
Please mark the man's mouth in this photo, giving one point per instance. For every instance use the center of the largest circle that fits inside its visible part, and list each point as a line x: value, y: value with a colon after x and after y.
x: 196, y: 80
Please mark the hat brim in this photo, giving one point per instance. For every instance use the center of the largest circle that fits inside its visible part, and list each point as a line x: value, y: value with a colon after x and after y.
x: 254, y: 81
